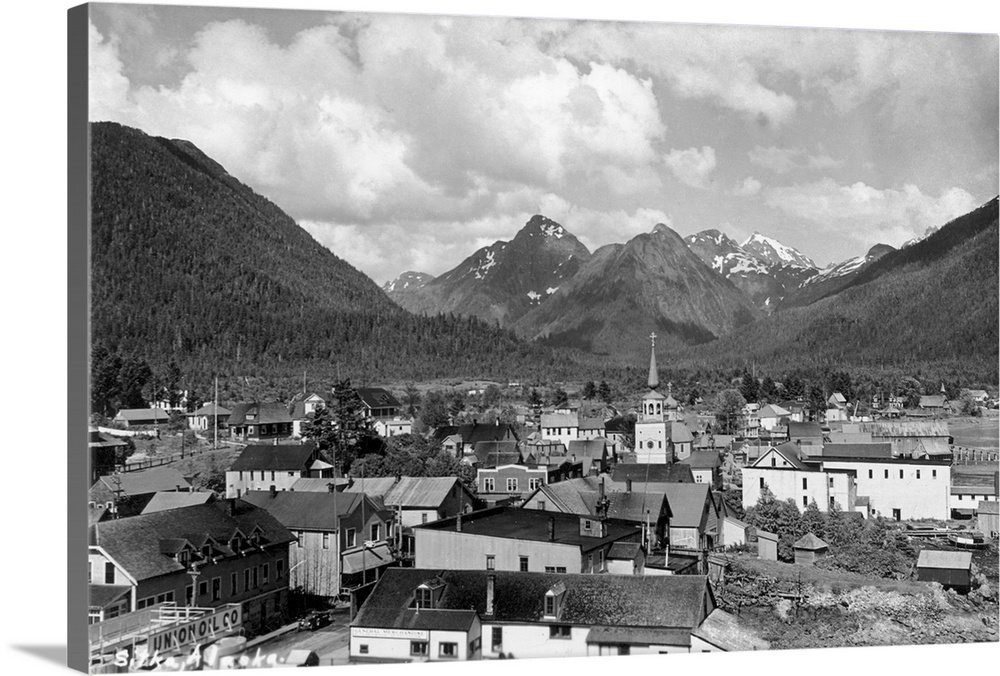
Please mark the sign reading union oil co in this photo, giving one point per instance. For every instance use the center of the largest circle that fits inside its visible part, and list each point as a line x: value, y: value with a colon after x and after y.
x: 204, y: 629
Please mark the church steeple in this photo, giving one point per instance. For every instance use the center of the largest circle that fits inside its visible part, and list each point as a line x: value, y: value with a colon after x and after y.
x: 654, y: 377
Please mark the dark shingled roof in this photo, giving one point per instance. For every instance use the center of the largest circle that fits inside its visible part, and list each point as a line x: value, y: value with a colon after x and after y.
x: 377, y: 397
x: 624, y: 550
x: 490, y: 454
x: 266, y: 412
x: 638, y: 473
x: 589, y: 448
x: 136, y: 542
x: 533, y: 524
x: 472, y: 432
x: 668, y: 601
x: 287, y: 457
x: 810, y: 542
x: 103, y: 595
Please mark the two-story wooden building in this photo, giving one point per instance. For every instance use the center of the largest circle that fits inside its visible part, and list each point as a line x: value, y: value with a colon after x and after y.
x: 260, y: 421
x: 204, y: 556
x: 259, y: 467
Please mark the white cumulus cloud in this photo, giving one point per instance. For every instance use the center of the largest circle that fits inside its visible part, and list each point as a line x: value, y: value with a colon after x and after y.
x: 691, y: 167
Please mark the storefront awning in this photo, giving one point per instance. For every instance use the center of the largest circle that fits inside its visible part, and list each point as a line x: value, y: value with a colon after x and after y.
x: 366, y: 559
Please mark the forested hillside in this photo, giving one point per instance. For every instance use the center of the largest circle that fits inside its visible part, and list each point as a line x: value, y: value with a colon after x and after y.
x: 190, y: 265
x: 930, y: 306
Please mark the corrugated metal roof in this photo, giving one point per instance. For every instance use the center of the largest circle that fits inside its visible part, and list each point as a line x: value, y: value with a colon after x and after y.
x: 174, y: 500
x: 366, y: 558
x: 421, y: 491
x: 906, y: 428
x: 146, y: 481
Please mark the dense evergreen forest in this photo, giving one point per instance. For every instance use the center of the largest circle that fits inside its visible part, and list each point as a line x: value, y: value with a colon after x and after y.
x: 929, y: 310
x: 191, y: 266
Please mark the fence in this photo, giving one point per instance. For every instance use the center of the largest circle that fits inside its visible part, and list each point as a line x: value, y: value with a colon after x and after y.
x: 974, y: 456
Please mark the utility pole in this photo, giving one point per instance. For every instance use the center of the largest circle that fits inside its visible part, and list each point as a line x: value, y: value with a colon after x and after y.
x: 215, y: 416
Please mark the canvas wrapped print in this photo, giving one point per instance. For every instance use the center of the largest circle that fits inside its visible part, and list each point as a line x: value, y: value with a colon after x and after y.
x: 421, y: 338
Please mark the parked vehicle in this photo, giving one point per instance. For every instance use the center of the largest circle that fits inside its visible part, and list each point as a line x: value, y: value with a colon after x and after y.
x: 315, y: 619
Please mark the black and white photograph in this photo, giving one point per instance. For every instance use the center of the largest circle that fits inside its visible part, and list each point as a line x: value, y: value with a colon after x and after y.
x: 431, y: 337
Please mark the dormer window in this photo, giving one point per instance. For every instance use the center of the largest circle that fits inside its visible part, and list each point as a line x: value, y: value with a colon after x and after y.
x: 183, y: 557
x: 552, y: 602
x: 424, y: 597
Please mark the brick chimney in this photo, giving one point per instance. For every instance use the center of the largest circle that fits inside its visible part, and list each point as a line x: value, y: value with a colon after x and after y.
x: 491, y: 580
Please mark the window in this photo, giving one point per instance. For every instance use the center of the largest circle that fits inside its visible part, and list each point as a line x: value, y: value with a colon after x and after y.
x: 363, y: 648
x: 351, y: 537
x: 90, y: 572
x: 918, y: 473
x: 805, y: 483
x: 900, y: 474
x: 697, y: 478
x: 279, y: 568
x: 272, y: 475
x: 559, y: 631
x: 550, y: 605
x: 871, y: 474
x: 109, y: 572
x: 189, y: 595
x: 246, y: 579
x: 448, y: 650
x: 805, y: 501
x: 886, y: 474
x: 601, y: 558
x: 491, y: 562
x: 233, y: 585
x: 534, y: 484
x: 376, y: 531
x: 523, y: 564
x: 163, y: 598
x: 489, y: 485
x: 266, y: 572
x: 831, y: 482
x: 202, y: 588
x: 774, y: 462
x: 497, y: 639
x: 555, y: 569
x: 326, y: 540
x: 762, y: 483
x: 241, y: 475
x: 511, y: 485
x: 934, y: 474
x: 832, y: 501
x: 423, y: 598
x: 418, y: 647
x: 256, y: 581
x: 423, y: 517
x: 590, y: 563
x: 587, y: 524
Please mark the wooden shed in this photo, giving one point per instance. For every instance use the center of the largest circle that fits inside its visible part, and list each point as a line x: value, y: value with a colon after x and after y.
x: 809, y: 549
x: 767, y: 545
x: 950, y: 569
x: 987, y: 515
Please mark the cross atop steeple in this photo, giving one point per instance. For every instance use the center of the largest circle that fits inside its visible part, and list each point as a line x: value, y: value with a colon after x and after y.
x: 652, y: 339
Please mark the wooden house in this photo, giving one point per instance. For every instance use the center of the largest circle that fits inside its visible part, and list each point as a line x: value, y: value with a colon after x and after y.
x: 950, y: 569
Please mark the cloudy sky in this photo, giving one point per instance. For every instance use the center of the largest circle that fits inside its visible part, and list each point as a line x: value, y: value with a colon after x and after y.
x: 406, y: 142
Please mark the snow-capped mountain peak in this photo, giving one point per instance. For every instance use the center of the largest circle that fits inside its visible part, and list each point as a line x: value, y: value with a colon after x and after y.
x: 769, y: 250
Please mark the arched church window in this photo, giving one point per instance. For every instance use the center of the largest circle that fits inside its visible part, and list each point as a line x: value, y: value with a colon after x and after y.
x: 649, y: 444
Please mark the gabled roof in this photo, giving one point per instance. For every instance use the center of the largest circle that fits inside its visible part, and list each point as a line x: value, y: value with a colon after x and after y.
x: 932, y: 401
x: 703, y: 460
x: 377, y: 397
x: 174, y: 500
x: 145, y: 481
x: 376, y: 487
x: 679, y: 433
x: 473, y: 433
x: 263, y: 413
x: 627, y: 551
x: 804, y: 430
x: 560, y: 420
x: 423, y: 491
x: 319, y: 484
x: 810, y: 542
x: 661, y: 601
x: 209, y: 409
x: 490, y: 454
x: 688, y: 503
x: 137, y: 414
x: 789, y: 451
x: 591, y: 423
x: 772, y: 411
x: 932, y: 558
x: 101, y: 440
x: 135, y: 542
x: 309, y: 510
x: 274, y: 457
x: 588, y: 448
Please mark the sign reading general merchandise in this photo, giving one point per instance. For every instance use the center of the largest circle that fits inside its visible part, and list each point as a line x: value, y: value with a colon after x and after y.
x: 206, y: 628
x: 373, y: 632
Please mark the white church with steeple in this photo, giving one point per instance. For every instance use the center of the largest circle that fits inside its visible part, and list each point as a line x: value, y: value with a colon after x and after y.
x: 657, y: 414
